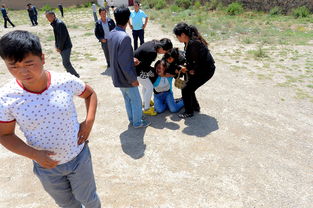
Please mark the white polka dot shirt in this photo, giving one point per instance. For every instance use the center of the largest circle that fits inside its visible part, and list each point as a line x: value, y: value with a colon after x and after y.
x: 48, y: 119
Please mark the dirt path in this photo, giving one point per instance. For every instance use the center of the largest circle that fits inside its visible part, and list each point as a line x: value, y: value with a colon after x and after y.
x: 251, y: 145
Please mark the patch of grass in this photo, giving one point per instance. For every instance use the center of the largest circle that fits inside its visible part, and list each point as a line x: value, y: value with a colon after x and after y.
x: 259, y: 53
x: 88, y: 34
x: 264, y: 76
x: 310, y: 86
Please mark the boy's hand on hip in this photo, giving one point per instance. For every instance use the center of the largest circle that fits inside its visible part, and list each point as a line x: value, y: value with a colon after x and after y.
x: 43, y: 158
x: 84, y: 131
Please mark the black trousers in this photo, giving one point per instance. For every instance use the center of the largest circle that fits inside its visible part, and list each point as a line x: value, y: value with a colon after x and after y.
x: 189, y: 96
x: 33, y: 20
x: 6, y: 20
x: 138, y: 34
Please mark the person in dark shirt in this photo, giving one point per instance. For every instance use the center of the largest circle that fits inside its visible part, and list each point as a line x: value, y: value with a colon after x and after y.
x: 6, y: 19
x: 200, y: 65
x: 63, y: 42
x: 60, y: 6
x: 32, y: 13
x: 175, y: 59
x: 103, y: 27
x: 144, y: 56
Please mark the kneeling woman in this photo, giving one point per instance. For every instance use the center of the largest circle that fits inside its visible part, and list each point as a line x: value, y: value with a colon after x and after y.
x: 200, y: 65
x: 163, y: 94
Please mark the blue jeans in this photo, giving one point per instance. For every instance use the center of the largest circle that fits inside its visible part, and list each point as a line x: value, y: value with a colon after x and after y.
x: 133, y: 105
x: 138, y: 34
x: 165, y: 100
x: 71, y: 184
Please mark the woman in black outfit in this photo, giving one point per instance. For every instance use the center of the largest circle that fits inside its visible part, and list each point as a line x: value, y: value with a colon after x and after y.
x: 200, y: 65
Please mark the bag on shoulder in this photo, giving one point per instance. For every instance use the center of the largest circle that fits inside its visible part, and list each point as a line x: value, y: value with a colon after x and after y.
x: 179, y: 82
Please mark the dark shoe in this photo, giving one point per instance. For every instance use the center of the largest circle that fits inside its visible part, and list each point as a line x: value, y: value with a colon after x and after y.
x: 197, y: 110
x: 185, y: 115
x: 178, y: 100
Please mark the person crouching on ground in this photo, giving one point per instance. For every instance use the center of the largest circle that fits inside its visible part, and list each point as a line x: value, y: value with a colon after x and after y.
x: 144, y: 56
x: 41, y: 103
x: 163, y: 94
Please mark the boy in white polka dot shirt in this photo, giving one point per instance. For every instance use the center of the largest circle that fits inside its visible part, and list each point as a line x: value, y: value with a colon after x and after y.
x: 41, y: 103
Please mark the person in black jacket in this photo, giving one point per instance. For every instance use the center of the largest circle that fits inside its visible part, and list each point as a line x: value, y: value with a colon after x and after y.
x: 200, y: 65
x: 60, y: 6
x: 144, y: 56
x: 103, y: 27
x: 63, y: 42
x: 32, y: 13
x: 5, y: 16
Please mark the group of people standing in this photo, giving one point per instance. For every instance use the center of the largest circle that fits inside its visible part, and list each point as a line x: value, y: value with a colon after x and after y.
x: 41, y: 101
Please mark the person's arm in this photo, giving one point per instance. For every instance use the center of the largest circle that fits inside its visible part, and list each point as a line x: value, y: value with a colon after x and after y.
x: 130, y: 25
x: 90, y: 97
x: 126, y: 61
x: 35, y: 10
x: 97, y: 32
x: 195, y: 55
x: 14, y: 144
x: 146, y: 22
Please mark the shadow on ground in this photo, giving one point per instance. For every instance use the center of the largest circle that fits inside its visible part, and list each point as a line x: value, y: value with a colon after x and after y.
x: 200, y: 125
x: 132, y: 142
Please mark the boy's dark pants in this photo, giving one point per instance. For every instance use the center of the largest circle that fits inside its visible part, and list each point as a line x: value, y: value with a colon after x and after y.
x: 6, y: 20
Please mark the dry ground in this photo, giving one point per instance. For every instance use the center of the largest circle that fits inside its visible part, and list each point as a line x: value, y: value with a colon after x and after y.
x: 250, y: 147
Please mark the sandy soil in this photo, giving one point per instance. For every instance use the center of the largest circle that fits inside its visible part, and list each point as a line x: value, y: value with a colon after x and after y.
x: 250, y: 147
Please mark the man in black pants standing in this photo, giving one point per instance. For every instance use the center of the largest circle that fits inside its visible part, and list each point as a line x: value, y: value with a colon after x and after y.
x: 32, y: 13
x: 63, y: 42
x: 103, y: 27
x: 5, y: 16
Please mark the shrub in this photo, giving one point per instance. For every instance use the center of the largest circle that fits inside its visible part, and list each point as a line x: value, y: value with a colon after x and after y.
x: 197, y: 4
x: 276, y: 11
x: 213, y: 4
x: 301, y: 12
x: 175, y: 8
x: 161, y: 4
x: 234, y: 9
x: 46, y: 7
x: 183, y: 3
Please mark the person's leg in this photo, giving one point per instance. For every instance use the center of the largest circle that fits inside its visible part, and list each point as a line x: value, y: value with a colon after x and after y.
x: 57, y: 185
x: 5, y: 22
x: 35, y: 20
x: 106, y: 52
x: 82, y: 180
x: 95, y: 16
x: 62, y: 13
x: 141, y: 34
x: 135, y: 37
x: 146, y: 83
x: 159, y: 103
x: 125, y: 92
x: 136, y: 103
x: 32, y: 20
x: 10, y: 22
x: 66, y: 54
x: 172, y: 105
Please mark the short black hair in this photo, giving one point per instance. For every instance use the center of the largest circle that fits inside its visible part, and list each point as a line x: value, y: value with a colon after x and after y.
x: 50, y: 13
x: 102, y: 9
x: 16, y: 45
x: 165, y: 44
x: 174, y: 53
x: 121, y: 15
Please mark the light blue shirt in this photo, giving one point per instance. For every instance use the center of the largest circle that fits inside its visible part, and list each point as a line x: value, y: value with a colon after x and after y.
x: 137, y: 19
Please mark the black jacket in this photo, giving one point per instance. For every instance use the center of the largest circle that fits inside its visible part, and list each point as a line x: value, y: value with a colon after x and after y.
x: 32, y: 11
x: 199, y: 59
x: 99, y: 33
x: 146, y: 54
x: 62, y: 38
